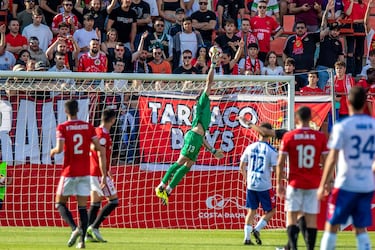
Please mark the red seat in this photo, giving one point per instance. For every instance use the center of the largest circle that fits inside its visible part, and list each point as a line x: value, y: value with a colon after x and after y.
x: 277, y: 45
x: 4, y: 17
x: 288, y: 22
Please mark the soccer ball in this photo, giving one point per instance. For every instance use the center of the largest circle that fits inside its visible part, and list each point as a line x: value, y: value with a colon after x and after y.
x: 2, y: 180
x: 215, y: 51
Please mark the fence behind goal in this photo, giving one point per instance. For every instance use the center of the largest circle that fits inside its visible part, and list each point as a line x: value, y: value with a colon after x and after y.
x: 154, y: 112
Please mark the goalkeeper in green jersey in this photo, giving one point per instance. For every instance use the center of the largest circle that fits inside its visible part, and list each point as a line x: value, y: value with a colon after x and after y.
x: 193, y: 140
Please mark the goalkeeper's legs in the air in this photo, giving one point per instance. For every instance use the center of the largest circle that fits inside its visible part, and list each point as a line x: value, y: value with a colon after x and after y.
x: 177, y: 171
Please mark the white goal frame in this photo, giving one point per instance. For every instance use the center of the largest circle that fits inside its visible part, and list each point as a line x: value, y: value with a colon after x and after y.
x: 49, y: 216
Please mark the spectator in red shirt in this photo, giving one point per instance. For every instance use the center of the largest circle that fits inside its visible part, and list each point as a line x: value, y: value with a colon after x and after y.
x: 15, y: 41
x: 342, y: 84
x: 368, y: 84
x: 94, y: 60
x: 67, y: 17
x: 312, y: 88
x: 263, y: 27
x: 356, y: 11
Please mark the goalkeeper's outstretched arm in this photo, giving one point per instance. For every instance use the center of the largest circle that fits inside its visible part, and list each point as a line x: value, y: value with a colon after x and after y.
x: 261, y: 130
x: 211, y: 73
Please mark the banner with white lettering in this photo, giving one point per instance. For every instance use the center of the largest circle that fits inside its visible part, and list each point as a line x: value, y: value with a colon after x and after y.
x: 165, y: 120
x: 28, y: 127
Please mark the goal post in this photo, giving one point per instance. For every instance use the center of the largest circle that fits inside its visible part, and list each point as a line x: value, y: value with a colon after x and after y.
x: 154, y: 112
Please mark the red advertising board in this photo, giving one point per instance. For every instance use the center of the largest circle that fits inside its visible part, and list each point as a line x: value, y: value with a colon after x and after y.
x: 211, y: 196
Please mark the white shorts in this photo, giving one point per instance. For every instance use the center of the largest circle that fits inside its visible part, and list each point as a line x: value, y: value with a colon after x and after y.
x: 74, y: 186
x: 304, y: 200
x: 107, y: 191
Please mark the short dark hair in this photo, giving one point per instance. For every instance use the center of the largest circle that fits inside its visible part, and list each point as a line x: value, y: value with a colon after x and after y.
x: 159, y: 19
x: 187, y: 19
x: 230, y: 21
x: 313, y: 72
x: 357, y: 97
x: 370, y: 71
x: 290, y: 61
x: 304, y: 113
x: 108, y: 115
x: 64, y: 24
x: 13, y: 19
x: 300, y: 22
x: 59, y: 54
x: 88, y: 17
x: 118, y: 60
x: 266, y: 125
x: 71, y: 107
x: 245, y: 19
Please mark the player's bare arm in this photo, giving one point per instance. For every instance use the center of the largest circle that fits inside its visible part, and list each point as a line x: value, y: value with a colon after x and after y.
x: 261, y: 130
x: 329, y: 167
x: 243, y: 170
x: 102, y: 160
x: 58, y: 149
x: 280, y: 189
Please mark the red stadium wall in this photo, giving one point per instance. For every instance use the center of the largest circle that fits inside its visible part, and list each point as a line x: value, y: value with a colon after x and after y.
x: 214, y: 202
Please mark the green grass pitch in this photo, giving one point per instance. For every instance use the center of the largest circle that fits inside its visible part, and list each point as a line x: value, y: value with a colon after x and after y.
x: 14, y: 238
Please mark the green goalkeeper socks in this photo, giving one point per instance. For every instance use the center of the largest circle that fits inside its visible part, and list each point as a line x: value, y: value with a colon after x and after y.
x: 181, y: 172
x: 171, y: 170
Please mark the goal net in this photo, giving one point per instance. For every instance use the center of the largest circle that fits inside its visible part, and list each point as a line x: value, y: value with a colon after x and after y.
x: 154, y: 113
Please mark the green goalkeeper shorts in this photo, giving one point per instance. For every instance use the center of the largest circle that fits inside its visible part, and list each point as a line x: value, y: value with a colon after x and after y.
x: 192, y: 145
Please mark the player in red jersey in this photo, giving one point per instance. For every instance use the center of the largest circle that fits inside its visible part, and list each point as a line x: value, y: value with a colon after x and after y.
x: 307, y: 150
x: 96, y: 173
x: 74, y: 138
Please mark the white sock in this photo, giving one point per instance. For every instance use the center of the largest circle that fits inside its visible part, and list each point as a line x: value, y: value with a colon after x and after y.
x: 261, y: 224
x: 328, y: 241
x: 363, y: 242
x: 162, y: 185
x: 169, y: 189
x: 247, y: 230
